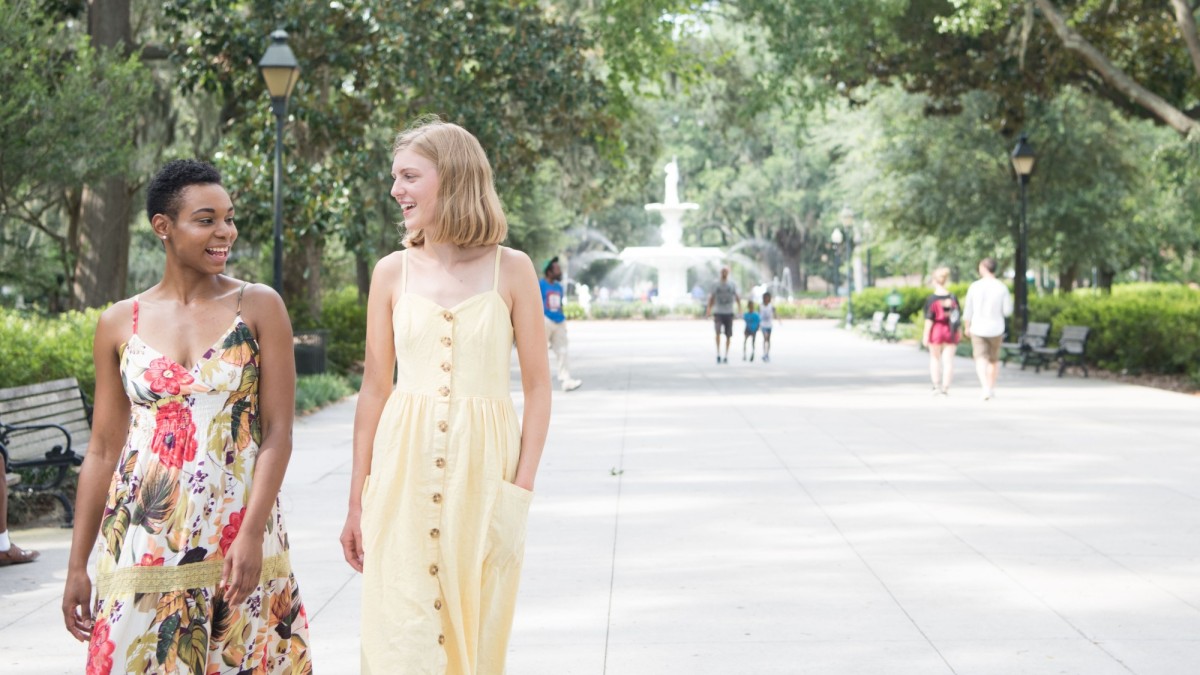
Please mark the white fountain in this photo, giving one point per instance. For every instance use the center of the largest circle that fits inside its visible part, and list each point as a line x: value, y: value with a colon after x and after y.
x: 672, y: 259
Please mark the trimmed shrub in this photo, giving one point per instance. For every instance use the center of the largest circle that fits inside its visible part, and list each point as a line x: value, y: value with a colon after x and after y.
x: 36, y: 349
x: 315, y: 391
x: 345, y: 317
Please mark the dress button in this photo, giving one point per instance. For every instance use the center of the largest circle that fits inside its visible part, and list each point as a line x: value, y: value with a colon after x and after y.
x: 439, y: 462
x: 441, y: 639
x: 447, y: 342
x: 433, y: 569
x: 442, y: 426
x: 444, y: 391
x: 437, y: 604
x: 446, y: 366
x: 435, y: 533
x: 447, y: 316
x: 437, y: 498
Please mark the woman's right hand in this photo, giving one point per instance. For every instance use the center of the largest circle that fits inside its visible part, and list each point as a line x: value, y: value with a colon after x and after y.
x: 77, y: 606
x: 352, y: 547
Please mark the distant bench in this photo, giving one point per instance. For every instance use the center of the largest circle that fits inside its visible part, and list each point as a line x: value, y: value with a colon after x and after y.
x: 885, y: 328
x: 1071, y: 351
x: 45, y: 426
x: 1036, y: 336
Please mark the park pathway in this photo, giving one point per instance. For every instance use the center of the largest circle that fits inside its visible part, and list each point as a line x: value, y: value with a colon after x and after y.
x: 818, y: 514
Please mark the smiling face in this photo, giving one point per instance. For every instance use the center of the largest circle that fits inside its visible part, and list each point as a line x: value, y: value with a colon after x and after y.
x: 415, y: 189
x: 202, y: 231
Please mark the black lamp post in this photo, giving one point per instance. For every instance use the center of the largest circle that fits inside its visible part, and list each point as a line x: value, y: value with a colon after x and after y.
x: 1023, y: 159
x: 847, y: 216
x: 281, y: 71
x: 837, y: 238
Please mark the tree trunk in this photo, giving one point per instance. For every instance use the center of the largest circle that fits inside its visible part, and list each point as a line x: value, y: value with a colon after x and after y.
x: 302, y: 280
x: 102, y: 246
x: 1066, y: 278
x: 1104, y: 279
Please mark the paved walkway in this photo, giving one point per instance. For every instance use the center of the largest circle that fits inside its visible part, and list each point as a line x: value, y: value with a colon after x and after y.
x: 819, y: 514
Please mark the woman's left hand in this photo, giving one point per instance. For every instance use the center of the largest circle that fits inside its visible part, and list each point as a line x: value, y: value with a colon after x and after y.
x: 243, y: 567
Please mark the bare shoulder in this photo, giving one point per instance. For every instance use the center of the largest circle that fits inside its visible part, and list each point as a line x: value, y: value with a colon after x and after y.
x: 515, y: 265
x: 115, y: 324
x: 389, y: 266
x: 260, y: 299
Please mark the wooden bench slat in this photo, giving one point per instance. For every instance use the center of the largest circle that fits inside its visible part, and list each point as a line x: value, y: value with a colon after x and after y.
x: 27, y: 390
x: 51, y: 410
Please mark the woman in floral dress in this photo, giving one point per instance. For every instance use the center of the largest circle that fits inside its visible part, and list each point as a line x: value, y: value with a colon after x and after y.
x: 191, y: 436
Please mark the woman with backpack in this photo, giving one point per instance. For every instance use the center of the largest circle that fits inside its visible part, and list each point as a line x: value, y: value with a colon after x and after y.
x: 943, y: 330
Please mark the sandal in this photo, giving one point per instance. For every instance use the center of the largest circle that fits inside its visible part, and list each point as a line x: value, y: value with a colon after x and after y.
x: 15, y: 555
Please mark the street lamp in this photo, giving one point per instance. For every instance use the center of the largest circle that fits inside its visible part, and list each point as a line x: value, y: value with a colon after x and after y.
x: 847, y: 216
x: 837, y: 238
x: 1023, y: 159
x: 281, y: 71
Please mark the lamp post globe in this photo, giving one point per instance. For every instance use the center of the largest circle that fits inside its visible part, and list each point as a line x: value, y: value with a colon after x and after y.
x: 1023, y: 160
x: 280, y: 71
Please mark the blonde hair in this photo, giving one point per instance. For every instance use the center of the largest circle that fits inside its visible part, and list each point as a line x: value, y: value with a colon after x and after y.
x: 941, y: 275
x: 468, y: 208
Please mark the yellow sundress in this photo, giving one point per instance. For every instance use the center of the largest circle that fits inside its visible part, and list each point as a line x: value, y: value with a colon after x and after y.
x: 443, y: 525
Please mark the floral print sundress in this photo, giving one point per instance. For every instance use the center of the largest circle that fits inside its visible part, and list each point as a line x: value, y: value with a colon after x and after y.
x: 175, y: 505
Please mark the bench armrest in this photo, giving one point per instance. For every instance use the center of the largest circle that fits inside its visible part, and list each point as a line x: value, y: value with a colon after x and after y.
x: 6, y: 429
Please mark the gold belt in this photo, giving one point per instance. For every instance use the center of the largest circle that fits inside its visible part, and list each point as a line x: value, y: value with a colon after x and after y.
x: 160, y: 579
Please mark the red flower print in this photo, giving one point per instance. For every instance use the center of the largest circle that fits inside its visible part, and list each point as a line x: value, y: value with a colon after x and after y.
x: 174, y: 435
x: 148, y: 560
x: 100, y: 650
x: 165, y: 376
x: 230, y: 531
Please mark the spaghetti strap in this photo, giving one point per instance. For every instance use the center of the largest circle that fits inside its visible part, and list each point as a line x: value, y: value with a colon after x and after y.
x: 135, y: 313
x: 404, y: 272
x: 240, y: 292
x: 496, y: 271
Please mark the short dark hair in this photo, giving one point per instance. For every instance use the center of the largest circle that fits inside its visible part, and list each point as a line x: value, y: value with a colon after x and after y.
x: 989, y: 263
x: 549, y: 263
x: 162, y: 195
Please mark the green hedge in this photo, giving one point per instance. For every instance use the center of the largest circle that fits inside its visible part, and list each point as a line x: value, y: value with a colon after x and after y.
x: 315, y: 391
x: 912, y: 304
x: 345, y: 317
x: 1140, y: 328
x: 36, y: 349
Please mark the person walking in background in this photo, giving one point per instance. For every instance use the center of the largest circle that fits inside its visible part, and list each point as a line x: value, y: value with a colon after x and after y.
x: 191, y: 436
x: 721, y: 304
x: 943, y: 318
x: 10, y: 553
x: 556, y: 321
x: 988, y: 303
x: 443, y: 470
x: 751, y: 319
x: 766, y: 323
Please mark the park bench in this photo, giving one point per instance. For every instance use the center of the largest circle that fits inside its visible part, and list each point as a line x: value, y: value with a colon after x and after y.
x: 1035, y: 337
x: 1071, y: 351
x: 45, y: 426
x: 882, y: 328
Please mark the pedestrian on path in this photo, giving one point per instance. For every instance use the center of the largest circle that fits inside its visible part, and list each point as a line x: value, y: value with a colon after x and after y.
x: 191, y: 436
x: 751, y: 319
x: 943, y: 331
x: 443, y: 472
x: 721, y: 304
x: 556, y: 321
x: 10, y: 553
x: 988, y: 303
x: 766, y: 323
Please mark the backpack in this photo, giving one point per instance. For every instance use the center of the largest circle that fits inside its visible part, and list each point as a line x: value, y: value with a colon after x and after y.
x: 952, y: 315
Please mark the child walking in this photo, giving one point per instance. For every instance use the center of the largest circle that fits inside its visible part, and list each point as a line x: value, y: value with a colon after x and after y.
x: 766, y: 321
x: 752, y: 320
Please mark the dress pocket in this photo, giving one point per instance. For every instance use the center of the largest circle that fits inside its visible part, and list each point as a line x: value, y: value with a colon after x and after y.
x: 506, y: 526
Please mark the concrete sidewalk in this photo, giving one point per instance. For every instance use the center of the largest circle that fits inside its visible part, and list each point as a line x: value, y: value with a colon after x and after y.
x: 818, y: 514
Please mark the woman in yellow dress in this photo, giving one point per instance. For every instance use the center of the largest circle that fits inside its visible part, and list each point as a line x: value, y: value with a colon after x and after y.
x: 443, y: 469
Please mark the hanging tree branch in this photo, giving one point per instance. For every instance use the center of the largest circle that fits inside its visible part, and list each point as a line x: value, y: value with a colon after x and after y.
x: 1114, y: 76
x: 1187, y: 28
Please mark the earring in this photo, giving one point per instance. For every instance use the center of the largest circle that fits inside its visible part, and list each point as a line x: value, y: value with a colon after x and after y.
x: 164, y: 237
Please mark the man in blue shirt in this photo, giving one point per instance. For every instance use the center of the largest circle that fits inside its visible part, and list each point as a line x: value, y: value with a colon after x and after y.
x: 556, y: 326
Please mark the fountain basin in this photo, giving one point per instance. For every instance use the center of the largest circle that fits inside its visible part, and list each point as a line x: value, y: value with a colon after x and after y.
x: 672, y: 263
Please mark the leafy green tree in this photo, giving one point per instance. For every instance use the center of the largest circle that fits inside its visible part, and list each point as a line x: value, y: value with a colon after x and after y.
x: 67, y: 119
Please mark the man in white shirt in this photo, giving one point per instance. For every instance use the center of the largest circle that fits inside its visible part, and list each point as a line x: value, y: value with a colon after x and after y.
x: 988, y: 303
